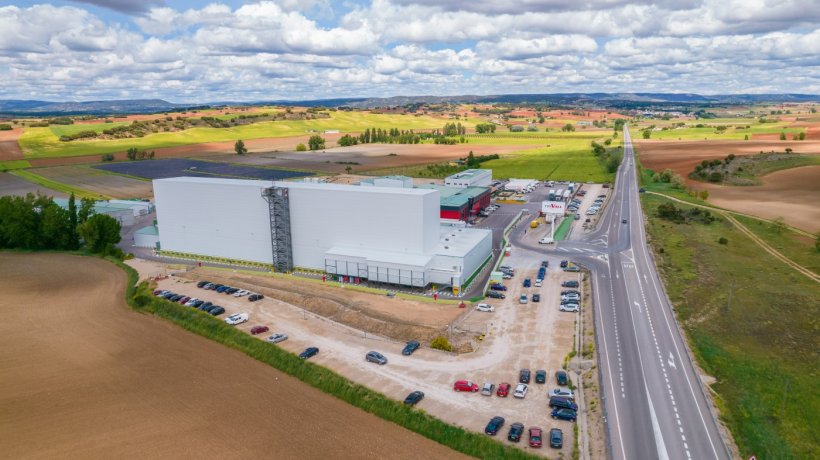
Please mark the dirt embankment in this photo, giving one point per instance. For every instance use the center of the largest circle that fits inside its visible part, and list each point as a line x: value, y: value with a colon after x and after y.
x: 83, y: 376
x: 395, y: 318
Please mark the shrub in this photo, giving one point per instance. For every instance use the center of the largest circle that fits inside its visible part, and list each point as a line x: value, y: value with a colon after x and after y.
x: 5, y: 127
x: 441, y: 343
x: 108, y: 157
x: 723, y: 240
x: 715, y: 177
x: 301, y: 148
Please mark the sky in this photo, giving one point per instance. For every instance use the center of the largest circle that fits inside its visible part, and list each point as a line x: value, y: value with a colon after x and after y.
x: 196, y: 52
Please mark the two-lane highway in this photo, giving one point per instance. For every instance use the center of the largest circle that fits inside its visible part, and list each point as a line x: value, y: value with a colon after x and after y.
x: 656, y: 406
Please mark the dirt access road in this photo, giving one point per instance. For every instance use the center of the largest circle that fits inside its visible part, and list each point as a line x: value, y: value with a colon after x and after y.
x: 83, y: 376
x: 534, y: 336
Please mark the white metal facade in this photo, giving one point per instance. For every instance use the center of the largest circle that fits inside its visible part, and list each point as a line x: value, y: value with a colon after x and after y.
x: 383, y: 234
x: 470, y: 178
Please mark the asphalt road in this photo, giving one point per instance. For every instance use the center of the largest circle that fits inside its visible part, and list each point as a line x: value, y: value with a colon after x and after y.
x: 656, y: 406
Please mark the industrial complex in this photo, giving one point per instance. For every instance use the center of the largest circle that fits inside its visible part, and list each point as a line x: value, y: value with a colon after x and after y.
x: 383, y: 231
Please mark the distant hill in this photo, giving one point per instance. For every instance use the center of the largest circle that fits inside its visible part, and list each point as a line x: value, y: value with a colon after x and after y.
x: 612, y: 100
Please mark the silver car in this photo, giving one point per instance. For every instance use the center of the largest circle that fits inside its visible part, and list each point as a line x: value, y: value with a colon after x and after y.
x: 375, y: 357
x: 276, y: 338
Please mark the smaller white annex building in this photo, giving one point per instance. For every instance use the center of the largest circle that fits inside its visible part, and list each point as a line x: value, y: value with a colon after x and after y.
x: 470, y: 178
x: 388, y: 234
x: 519, y: 185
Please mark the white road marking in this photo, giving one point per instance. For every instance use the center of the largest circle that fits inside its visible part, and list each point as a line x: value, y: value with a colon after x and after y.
x: 661, y: 446
x: 672, y: 361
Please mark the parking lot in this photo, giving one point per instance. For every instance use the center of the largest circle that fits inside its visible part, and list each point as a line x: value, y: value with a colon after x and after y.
x: 533, y: 335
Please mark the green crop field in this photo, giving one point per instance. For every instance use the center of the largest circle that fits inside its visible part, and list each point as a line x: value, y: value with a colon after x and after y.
x: 708, y: 132
x: 42, y: 142
x: 752, y: 322
x: 565, y: 156
x: 66, y: 130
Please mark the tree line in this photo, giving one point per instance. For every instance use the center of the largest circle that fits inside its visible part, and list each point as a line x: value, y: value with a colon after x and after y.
x: 36, y: 222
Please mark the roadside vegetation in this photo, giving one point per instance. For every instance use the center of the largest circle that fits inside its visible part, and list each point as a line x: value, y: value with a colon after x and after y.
x: 713, y: 129
x: 478, y: 445
x: 752, y: 323
x: 747, y: 170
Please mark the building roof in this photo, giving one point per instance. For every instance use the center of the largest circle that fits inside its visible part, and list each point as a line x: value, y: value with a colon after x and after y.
x: 453, y: 196
x: 150, y: 230
x: 470, y: 173
x: 100, y: 207
x: 294, y: 185
x: 458, y: 242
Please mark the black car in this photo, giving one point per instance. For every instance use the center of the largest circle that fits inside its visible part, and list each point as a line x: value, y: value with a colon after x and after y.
x: 309, y: 352
x: 516, y: 430
x: 571, y: 284
x: 570, y: 291
x: 210, y: 308
x: 545, y: 263
x: 564, y: 263
x: 202, y: 284
x: 231, y: 290
x: 494, y: 425
x: 524, y: 376
x: 562, y: 378
x: 556, y: 438
x: 205, y: 305
x: 557, y: 402
x: 217, y: 311
x: 255, y: 297
x: 495, y: 295
x: 168, y: 295
x: 536, y: 297
x: 564, y: 414
x: 411, y: 346
x: 498, y: 287
x: 623, y: 221
x: 413, y: 398
x: 540, y: 376
x: 175, y: 298
x: 197, y: 303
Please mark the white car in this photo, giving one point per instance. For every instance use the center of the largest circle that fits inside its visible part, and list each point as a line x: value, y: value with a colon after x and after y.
x: 520, y: 390
x: 191, y: 302
x: 484, y: 307
x: 237, y: 318
x: 538, y: 283
x: 546, y: 240
x: 241, y: 293
x: 562, y: 392
x: 570, y: 307
x: 570, y: 297
x: 276, y: 338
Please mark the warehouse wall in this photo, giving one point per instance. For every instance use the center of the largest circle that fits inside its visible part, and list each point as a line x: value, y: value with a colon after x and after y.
x: 223, y: 218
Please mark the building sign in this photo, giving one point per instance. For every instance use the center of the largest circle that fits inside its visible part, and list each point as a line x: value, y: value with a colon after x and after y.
x: 553, y: 207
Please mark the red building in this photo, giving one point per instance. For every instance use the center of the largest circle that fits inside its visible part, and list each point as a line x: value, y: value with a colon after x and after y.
x: 461, y: 203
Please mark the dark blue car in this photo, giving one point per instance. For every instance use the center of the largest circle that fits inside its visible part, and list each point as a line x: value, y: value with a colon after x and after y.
x: 411, y: 346
x: 494, y: 425
x: 564, y: 414
x: 309, y: 352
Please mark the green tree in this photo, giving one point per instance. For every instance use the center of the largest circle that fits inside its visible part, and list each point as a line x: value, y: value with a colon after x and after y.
x: 55, y: 227
x: 240, y: 148
x: 132, y: 153
x: 301, y: 147
x: 704, y: 195
x: 647, y: 133
x: 316, y: 142
x: 782, y: 136
x: 348, y: 169
x: 567, y: 128
x: 99, y: 232
x: 72, y: 221
x: 86, y: 210
x: 801, y: 136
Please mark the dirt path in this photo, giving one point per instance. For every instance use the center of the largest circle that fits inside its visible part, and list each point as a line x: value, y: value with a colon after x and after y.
x: 83, y: 376
x: 805, y: 271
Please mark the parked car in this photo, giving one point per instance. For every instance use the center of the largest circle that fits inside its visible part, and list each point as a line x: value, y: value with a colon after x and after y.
x: 520, y: 391
x: 487, y: 389
x: 465, y: 385
x: 413, y: 398
x: 564, y: 414
x: 202, y: 284
x: 220, y: 289
x: 559, y: 402
x: 232, y: 290
x: 556, y: 438
x: 536, y: 297
x: 375, y: 357
x: 571, y: 284
x: 546, y: 240
x: 210, y: 308
x: 562, y: 378
x: 623, y: 221
x: 570, y: 297
x: 184, y: 300
x: 198, y: 303
x: 570, y: 291
x: 208, y: 286
x: 191, y: 302
x: 237, y: 318
x: 498, y: 287
x: 527, y: 282
x: 516, y: 430
x: 217, y: 311
x: 410, y: 347
x: 539, y: 282
x: 484, y: 307
x: 569, y: 307
x: 255, y: 297
x: 503, y: 390
x: 545, y: 263
x: 204, y: 306
x: 564, y: 263
x: 259, y: 329
x: 540, y: 376
x: 535, y: 436
x: 309, y: 352
x: 522, y: 299
x: 495, y: 295
x: 241, y: 293
x: 175, y: 298
x: 524, y: 376
x: 562, y: 392
x: 572, y: 268
x: 276, y: 338
x: 494, y: 425
x: 168, y: 295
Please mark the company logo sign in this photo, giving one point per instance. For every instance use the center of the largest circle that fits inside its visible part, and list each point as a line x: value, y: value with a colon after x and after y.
x: 553, y: 207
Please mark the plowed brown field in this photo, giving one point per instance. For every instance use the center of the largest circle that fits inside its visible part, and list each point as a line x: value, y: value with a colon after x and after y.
x: 83, y: 376
x: 9, y: 148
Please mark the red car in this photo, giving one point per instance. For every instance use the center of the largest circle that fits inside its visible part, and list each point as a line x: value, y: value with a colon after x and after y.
x: 503, y: 390
x: 184, y: 300
x: 259, y: 329
x: 465, y: 385
x: 535, y: 437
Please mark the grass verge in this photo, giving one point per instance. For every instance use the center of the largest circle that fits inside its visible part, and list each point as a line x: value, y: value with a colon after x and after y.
x: 14, y: 164
x: 57, y: 186
x: 139, y: 297
x: 752, y: 322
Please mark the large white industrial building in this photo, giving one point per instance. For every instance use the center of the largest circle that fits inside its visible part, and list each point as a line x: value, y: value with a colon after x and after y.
x: 384, y: 234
